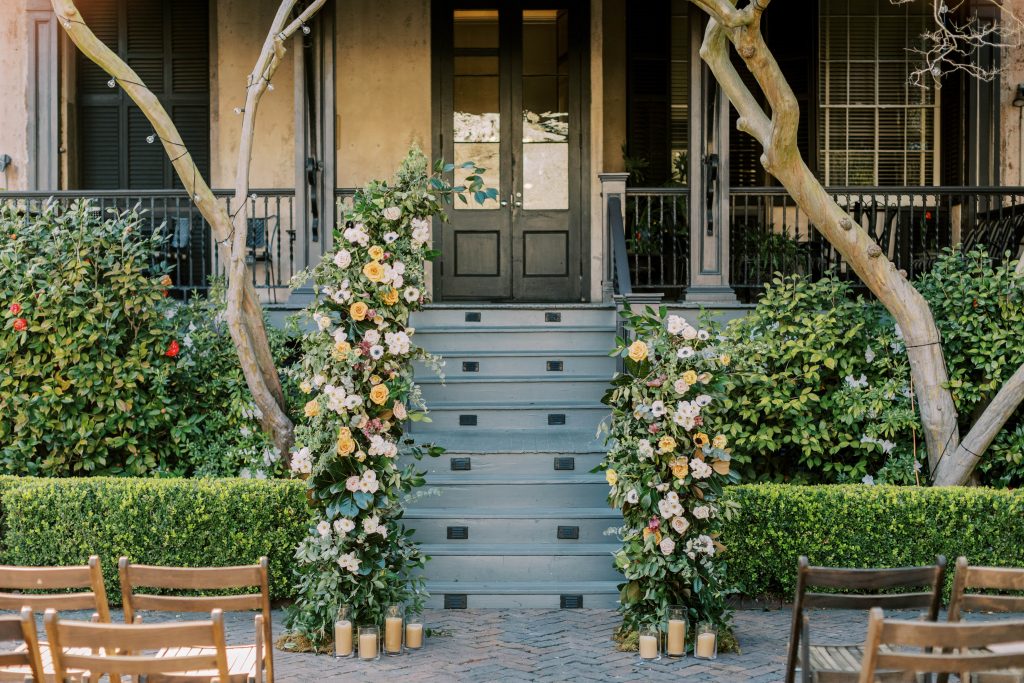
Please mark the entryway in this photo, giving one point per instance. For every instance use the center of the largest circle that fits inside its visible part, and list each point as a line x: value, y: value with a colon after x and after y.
x: 508, y: 96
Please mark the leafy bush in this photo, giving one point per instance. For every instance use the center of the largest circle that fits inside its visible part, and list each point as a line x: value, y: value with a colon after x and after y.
x: 819, y: 388
x: 156, y: 521
x: 85, y: 347
x: 866, y: 526
x: 979, y: 309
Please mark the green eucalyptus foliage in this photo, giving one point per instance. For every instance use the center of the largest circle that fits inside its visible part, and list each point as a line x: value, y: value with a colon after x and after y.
x: 819, y: 389
x: 85, y: 346
x: 979, y: 309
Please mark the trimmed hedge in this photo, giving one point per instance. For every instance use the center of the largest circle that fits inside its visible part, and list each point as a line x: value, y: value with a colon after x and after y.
x: 197, y: 522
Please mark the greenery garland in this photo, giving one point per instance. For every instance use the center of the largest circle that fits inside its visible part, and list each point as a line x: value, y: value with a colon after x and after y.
x: 358, y: 375
x: 667, y: 465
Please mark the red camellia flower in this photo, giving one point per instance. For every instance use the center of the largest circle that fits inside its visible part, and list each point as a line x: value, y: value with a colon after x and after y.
x: 172, y: 349
x: 15, y: 309
x: 20, y: 324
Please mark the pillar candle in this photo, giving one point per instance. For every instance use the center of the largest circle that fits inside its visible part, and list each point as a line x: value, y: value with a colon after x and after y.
x: 648, y: 647
x: 368, y: 646
x: 393, y: 634
x: 343, y: 638
x: 676, y: 645
x: 414, y: 636
x: 706, y: 645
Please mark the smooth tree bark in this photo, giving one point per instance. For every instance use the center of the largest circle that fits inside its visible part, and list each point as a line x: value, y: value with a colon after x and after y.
x: 244, y: 311
x: 951, y: 460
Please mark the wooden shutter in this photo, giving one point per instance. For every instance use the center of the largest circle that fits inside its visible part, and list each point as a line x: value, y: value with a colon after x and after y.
x: 167, y: 43
x: 648, y: 113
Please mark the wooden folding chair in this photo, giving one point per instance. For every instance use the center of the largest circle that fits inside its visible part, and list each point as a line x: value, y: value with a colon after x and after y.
x: 98, y: 649
x: 247, y: 662
x: 840, y: 663
x: 968, y: 581
x: 931, y: 648
x: 21, y: 628
x: 49, y: 586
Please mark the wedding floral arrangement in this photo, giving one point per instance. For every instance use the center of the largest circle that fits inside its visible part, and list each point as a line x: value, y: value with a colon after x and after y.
x: 667, y: 465
x: 357, y: 374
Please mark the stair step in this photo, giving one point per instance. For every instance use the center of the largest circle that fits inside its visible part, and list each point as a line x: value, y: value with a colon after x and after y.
x: 484, y: 389
x: 544, y: 441
x: 441, y: 340
x: 525, y: 594
x: 521, y: 562
x: 511, y: 415
x: 520, y: 525
x: 498, y: 464
x: 522, y: 364
x: 505, y: 314
x: 466, y: 490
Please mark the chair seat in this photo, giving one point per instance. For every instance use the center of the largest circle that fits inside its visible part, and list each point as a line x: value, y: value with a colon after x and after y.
x: 841, y: 664
x: 1007, y: 676
x: 22, y: 673
x: 241, y: 664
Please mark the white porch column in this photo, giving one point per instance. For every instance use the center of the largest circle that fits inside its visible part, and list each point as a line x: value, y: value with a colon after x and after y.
x: 612, y: 185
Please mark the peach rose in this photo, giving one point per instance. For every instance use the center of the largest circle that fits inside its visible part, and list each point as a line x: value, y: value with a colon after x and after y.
x: 373, y: 271
x: 379, y: 394
x: 358, y: 310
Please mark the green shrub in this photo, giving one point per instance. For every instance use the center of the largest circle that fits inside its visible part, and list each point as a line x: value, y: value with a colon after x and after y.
x: 866, y: 526
x: 84, y: 344
x: 818, y: 388
x: 155, y: 521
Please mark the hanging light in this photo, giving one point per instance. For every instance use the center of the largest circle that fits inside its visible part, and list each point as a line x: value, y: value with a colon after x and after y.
x: 1018, y: 100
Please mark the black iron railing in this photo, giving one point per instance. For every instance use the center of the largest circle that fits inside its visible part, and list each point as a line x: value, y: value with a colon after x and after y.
x: 769, y: 233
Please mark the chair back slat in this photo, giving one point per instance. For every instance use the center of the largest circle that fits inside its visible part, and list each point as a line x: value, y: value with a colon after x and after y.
x: 40, y: 602
x: 995, y: 578
x: 10, y: 629
x: 992, y: 603
x: 870, y: 579
x: 22, y: 628
x: 9, y: 659
x: 45, y: 578
x: 205, y: 603
x: 994, y: 581
x: 947, y: 663
x: 55, y: 579
x: 945, y: 635
x: 183, y: 578
x: 140, y: 665
x: 867, y: 601
x: 136, y: 636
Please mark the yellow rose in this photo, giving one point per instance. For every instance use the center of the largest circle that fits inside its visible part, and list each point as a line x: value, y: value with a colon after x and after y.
x: 305, y: 387
x: 346, y: 445
x: 391, y: 298
x: 342, y: 347
x: 373, y: 271
x: 666, y: 444
x: 700, y: 439
x: 690, y: 377
x: 725, y: 359
x: 374, y: 379
x: 376, y: 252
x: 638, y: 351
x: 312, y: 408
x: 378, y: 320
x: 358, y: 310
x: 612, y: 477
x: 680, y: 468
x: 719, y: 441
x: 379, y: 394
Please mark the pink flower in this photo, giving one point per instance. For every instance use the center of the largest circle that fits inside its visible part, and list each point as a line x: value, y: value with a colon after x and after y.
x: 20, y: 324
x: 15, y: 309
x: 654, y: 523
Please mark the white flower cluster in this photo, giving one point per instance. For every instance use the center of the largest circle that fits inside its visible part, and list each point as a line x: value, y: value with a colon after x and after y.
x: 357, y: 234
x: 398, y: 343
x: 302, y: 461
x: 381, y: 446
x: 394, y: 275
x: 686, y: 414
x: 700, y: 469
x: 678, y: 326
x: 702, y: 545
x: 367, y: 483
x: 420, y: 231
x: 349, y: 561
x: 372, y: 525
x: 669, y: 506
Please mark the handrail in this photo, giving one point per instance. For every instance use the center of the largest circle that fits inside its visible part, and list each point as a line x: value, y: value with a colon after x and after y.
x: 128, y: 194
x: 845, y: 189
x: 623, y: 284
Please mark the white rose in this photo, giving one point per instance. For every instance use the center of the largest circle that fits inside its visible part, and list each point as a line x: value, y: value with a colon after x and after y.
x: 689, y: 333
x: 676, y: 325
x: 392, y: 213
x: 702, y: 512
x: 372, y: 336
x: 667, y: 546
x: 680, y: 525
x: 352, y: 483
x: 323, y: 528
x: 342, y: 259
x: 680, y: 386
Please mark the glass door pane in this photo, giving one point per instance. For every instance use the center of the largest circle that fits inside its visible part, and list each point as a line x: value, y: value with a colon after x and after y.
x: 476, y: 110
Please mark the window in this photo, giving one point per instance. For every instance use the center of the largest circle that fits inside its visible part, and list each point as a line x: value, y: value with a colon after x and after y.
x: 166, y: 42
x: 875, y: 128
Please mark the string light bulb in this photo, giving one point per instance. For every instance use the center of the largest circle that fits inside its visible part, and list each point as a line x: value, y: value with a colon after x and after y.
x: 270, y: 86
x: 112, y: 82
x: 305, y: 29
x: 239, y: 110
x: 151, y: 138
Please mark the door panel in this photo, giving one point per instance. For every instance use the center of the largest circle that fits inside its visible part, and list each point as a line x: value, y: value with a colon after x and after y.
x: 509, y: 102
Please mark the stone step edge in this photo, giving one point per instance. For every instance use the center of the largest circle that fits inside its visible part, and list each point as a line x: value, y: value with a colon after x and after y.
x: 474, y: 378
x: 476, y: 328
x: 566, y: 549
x: 435, y: 406
x: 512, y: 513
x: 469, y: 479
x: 523, y: 587
x: 531, y: 353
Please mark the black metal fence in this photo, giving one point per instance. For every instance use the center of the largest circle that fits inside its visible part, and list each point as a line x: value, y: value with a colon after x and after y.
x: 769, y: 233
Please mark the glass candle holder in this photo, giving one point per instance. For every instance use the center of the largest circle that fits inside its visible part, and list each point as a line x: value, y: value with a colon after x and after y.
x: 343, y: 632
x: 650, y: 644
x: 369, y: 643
x: 414, y: 632
x: 675, y: 639
x: 394, y: 624
x: 707, y: 642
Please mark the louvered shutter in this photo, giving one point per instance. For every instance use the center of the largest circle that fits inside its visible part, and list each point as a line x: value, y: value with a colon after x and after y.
x: 647, y: 82
x: 166, y: 42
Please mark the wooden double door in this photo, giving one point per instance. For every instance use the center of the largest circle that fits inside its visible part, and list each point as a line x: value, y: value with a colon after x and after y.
x: 508, y: 97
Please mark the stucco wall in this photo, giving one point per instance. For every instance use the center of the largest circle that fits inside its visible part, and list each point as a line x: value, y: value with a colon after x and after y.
x: 237, y: 30
x: 383, y: 86
x: 1012, y: 118
x: 13, y: 81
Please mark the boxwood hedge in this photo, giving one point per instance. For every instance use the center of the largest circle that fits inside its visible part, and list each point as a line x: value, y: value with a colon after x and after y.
x: 196, y: 522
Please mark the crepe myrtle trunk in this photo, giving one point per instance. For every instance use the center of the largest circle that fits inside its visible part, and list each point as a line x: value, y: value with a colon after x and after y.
x: 951, y: 459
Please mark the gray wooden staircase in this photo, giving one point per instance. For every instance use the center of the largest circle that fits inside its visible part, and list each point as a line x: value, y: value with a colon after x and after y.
x: 517, y: 519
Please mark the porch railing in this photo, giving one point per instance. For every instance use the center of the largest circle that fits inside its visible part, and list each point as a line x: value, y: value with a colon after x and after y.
x: 768, y: 233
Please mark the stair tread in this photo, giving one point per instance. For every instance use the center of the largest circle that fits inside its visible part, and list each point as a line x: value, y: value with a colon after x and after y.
x: 512, y: 353
x: 477, y: 328
x: 514, y: 405
x: 512, y: 513
x: 528, y: 441
x: 470, y: 479
x: 501, y: 306
x: 522, y: 587
x: 521, y: 549
x: 473, y: 378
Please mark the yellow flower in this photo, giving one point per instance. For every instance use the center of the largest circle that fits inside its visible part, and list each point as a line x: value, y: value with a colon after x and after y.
x: 612, y: 477
x: 391, y: 298
x: 690, y: 377
x: 680, y: 468
x: 666, y: 444
x: 638, y: 351
x: 358, y: 310
x: 166, y: 281
x: 376, y: 252
x: 700, y: 439
x: 374, y: 379
x: 305, y: 387
x: 378, y: 319
x: 704, y: 378
x: 346, y: 445
x: 342, y: 347
x: 379, y: 394
x: 312, y: 408
x: 373, y: 271
x: 657, y: 535
x: 725, y: 359
x: 719, y: 441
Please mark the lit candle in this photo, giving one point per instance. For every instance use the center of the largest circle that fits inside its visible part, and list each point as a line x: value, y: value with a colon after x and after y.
x: 343, y: 638
x: 393, y: 634
x: 648, y: 647
x: 414, y: 636
x: 676, y: 645
x: 367, y: 645
x: 706, y: 645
